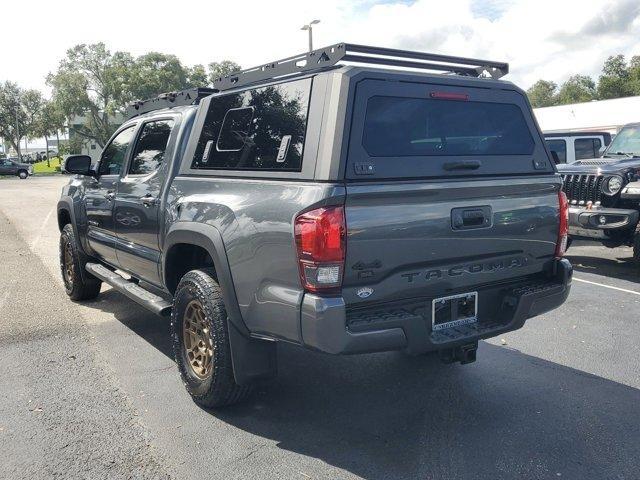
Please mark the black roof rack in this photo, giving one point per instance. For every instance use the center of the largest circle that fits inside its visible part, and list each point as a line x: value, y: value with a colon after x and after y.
x: 322, y: 59
x: 166, y: 100
x: 361, y: 54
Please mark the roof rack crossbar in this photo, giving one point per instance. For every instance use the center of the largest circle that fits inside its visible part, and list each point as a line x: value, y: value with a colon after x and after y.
x: 410, y: 64
x: 434, y: 57
x: 322, y: 59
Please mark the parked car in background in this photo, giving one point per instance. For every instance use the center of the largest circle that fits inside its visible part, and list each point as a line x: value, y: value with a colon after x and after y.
x: 604, y: 193
x: 572, y: 146
x: 11, y: 166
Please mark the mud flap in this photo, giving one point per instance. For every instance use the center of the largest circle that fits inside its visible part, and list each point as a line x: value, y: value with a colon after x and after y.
x: 252, y: 359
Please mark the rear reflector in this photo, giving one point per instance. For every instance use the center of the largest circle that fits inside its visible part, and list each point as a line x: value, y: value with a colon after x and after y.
x: 449, y: 96
x: 563, y: 227
x: 320, y: 242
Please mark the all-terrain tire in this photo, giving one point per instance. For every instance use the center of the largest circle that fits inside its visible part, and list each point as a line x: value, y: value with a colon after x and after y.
x: 216, y: 387
x: 72, y: 262
x: 23, y: 174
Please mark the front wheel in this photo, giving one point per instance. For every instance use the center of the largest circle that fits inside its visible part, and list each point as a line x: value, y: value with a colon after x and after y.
x: 23, y: 174
x: 201, y: 341
x: 77, y: 286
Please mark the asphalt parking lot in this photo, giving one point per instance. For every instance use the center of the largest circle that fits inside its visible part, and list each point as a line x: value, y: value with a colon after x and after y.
x: 90, y: 390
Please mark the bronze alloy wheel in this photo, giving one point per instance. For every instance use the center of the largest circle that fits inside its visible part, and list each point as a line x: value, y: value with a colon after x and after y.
x: 68, y: 267
x: 197, y: 340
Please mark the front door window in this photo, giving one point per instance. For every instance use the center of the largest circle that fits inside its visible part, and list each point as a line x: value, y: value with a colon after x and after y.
x: 113, y: 156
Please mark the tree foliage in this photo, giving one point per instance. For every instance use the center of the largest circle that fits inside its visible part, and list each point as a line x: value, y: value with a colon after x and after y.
x: 618, y: 79
x: 19, y: 113
x: 96, y: 85
x: 542, y: 94
x: 12, y: 117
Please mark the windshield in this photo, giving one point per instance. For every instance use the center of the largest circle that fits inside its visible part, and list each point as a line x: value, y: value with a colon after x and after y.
x: 627, y: 142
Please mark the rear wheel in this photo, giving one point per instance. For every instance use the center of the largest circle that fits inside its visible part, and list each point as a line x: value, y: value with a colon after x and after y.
x: 201, y: 341
x: 23, y: 174
x: 77, y: 286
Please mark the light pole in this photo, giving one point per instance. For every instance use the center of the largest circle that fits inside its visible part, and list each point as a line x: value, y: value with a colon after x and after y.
x: 309, y: 28
x: 18, y: 127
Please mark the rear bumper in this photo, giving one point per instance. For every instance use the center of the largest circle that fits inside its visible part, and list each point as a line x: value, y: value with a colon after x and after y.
x: 327, y: 326
x: 598, y: 223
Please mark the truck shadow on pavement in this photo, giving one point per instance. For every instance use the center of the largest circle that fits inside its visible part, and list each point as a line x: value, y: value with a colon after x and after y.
x: 509, y: 415
x: 391, y: 416
x: 623, y: 268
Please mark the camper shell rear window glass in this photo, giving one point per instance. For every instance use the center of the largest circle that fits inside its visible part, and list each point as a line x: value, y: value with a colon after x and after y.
x: 402, y: 126
x: 259, y: 129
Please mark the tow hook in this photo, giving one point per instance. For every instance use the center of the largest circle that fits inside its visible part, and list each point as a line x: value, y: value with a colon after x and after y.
x: 463, y: 354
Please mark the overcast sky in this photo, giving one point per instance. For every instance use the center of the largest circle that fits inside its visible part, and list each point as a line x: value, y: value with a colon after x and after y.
x: 539, y: 38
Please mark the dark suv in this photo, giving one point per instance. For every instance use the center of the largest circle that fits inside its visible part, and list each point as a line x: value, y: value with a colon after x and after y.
x: 12, y: 166
x: 346, y: 209
x: 604, y: 193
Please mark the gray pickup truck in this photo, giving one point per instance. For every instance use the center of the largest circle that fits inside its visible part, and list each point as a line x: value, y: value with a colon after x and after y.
x: 325, y: 202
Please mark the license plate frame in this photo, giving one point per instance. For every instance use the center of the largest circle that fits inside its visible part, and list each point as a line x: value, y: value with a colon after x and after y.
x: 446, y: 308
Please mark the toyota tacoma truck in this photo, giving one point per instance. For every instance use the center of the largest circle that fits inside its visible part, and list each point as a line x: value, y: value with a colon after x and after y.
x: 328, y: 202
x: 604, y: 193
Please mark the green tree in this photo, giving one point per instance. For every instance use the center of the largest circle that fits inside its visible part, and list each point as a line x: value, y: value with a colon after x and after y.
x: 197, y: 76
x: 91, y: 82
x: 47, y: 124
x: 615, y: 81
x: 542, y: 94
x: 578, y: 88
x: 634, y: 75
x: 155, y: 73
x: 12, y: 115
x: 96, y: 85
x: 32, y: 103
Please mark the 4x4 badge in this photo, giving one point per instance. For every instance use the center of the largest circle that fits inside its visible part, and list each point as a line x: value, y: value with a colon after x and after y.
x: 364, y: 292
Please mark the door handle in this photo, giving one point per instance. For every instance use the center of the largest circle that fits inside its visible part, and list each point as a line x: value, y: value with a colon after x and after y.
x: 110, y: 195
x: 149, y: 201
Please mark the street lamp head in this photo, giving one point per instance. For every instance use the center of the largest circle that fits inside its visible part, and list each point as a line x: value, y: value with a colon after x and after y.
x: 306, y: 27
x: 314, y: 22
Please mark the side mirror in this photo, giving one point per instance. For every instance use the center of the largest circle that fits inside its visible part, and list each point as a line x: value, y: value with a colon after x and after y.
x: 555, y: 157
x: 79, y: 165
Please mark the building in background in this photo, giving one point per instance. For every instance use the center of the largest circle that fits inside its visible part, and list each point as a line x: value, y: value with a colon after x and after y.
x: 596, y: 116
x: 88, y: 146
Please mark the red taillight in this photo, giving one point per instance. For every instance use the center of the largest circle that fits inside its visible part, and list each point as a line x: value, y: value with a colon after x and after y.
x: 449, y: 96
x: 320, y: 241
x: 563, y: 228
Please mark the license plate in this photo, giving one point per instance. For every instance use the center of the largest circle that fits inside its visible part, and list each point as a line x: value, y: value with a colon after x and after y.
x: 453, y: 311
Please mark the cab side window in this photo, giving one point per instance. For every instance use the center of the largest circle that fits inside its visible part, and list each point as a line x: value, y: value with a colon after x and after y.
x: 151, y: 147
x: 560, y: 147
x: 587, y: 147
x: 113, y: 156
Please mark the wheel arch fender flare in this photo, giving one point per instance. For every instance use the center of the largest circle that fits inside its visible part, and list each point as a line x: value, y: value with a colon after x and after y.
x: 252, y: 359
x: 207, y: 237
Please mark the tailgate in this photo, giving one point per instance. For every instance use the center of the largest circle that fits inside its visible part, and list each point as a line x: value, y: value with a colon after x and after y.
x: 449, y: 188
x: 431, y: 239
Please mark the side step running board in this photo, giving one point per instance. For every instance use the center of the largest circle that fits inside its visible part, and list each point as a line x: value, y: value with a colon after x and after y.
x: 135, y: 292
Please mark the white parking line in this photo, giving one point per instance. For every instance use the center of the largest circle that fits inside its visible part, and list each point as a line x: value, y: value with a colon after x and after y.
x: 42, y: 227
x: 606, y: 286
